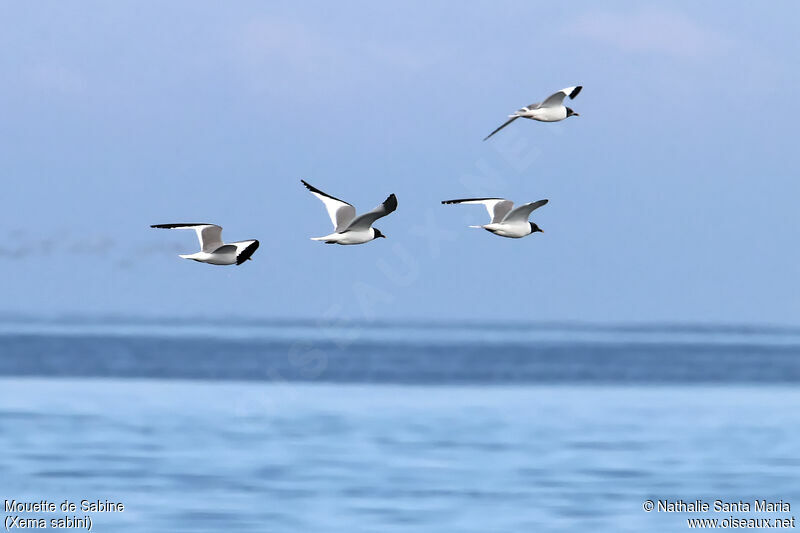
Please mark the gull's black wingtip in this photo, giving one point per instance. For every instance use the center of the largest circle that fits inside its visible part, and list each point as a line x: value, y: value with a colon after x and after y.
x: 462, y: 200
x: 312, y: 188
x: 247, y: 252
x: 391, y: 202
x: 181, y: 225
x: 575, y: 92
x: 322, y: 193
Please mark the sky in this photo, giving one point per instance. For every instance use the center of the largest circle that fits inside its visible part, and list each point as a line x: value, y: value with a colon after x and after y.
x: 672, y: 197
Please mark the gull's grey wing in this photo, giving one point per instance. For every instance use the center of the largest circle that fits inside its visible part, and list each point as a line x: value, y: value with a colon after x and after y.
x: 209, y: 235
x: 498, y: 208
x: 557, y: 99
x: 366, y: 220
x: 521, y: 213
x: 341, y: 213
x: 226, y: 249
x: 506, y: 123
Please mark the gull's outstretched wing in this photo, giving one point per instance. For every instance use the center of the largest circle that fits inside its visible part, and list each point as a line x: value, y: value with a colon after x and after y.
x: 366, y: 220
x: 341, y: 213
x: 521, y: 213
x: 209, y: 235
x: 506, y: 123
x: 557, y: 99
x: 498, y: 208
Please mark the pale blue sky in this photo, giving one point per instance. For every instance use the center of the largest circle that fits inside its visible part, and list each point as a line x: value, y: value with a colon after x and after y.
x: 672, y: 197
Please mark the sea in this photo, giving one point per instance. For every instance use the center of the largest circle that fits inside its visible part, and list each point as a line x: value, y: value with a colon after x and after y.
x: 133, y: 425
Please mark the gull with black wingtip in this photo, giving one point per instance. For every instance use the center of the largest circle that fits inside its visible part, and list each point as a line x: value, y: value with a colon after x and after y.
x: 212, y: 250
x: 347, y: 227
x: 552, y: 109
x: 506, y: 221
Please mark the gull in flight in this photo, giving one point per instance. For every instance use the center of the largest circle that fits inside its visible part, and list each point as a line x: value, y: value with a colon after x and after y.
x: 550, y: 110
x: 212, y: 250
x: 347, y: 227
x: 506, y: 222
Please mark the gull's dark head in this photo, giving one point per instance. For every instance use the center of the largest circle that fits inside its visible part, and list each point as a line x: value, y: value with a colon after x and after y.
x: 378, y: 233
x: 535, y: 228
x: 571, y: 113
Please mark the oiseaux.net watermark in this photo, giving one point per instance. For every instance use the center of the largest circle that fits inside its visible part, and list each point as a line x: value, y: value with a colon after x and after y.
x: 723, y: 514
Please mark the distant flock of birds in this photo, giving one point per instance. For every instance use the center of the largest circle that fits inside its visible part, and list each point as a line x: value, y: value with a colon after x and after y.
x: 506, y: 221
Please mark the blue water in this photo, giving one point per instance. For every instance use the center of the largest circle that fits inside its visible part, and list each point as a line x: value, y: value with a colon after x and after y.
x: 293, y: 427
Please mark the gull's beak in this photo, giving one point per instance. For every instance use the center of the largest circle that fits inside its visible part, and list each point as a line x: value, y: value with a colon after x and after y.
x: 576, y: 114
